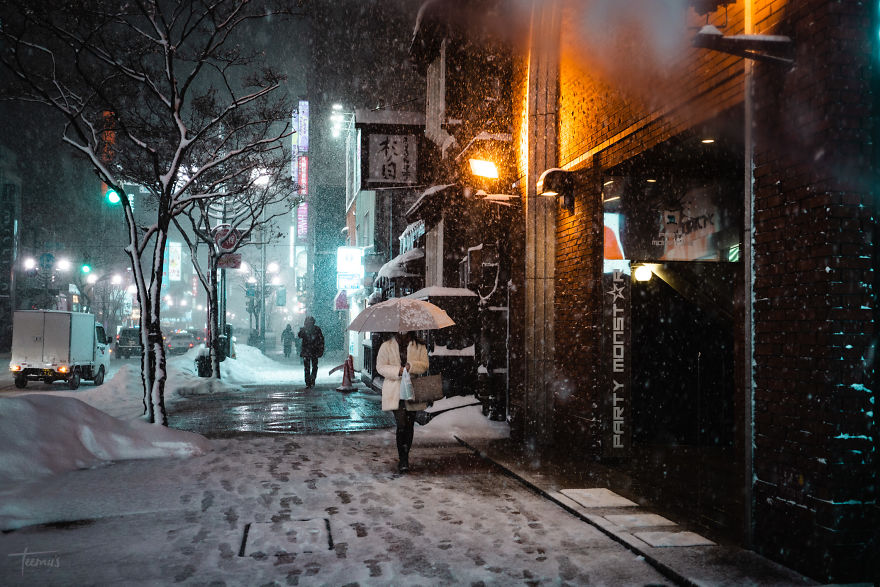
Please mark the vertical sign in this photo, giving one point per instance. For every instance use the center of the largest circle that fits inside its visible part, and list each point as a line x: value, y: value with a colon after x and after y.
x: 174, y: 260
x: 294, y: 143
x: 302, y: 221
x: 303, y: 173
x: 302, y: 131
x: 616, y: 361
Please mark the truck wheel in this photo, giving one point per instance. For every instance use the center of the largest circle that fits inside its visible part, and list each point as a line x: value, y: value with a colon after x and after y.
x: 73, y: 382
x: 21, y: 382
x: 99, y: 378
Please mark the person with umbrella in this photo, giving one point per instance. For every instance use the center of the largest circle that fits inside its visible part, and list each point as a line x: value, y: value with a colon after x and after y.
x: 401, y: 353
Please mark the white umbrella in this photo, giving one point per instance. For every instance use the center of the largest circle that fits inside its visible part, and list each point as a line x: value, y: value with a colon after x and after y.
x: 401, y: 315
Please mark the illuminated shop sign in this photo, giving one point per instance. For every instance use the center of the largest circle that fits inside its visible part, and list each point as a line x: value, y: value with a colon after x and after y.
x: 302, y: 221
x: 303, y: 166
x: 349, y: 268
x: 174, y: 260
x: 302, y: 129
x: 671, y: 220
x: 294, y: 143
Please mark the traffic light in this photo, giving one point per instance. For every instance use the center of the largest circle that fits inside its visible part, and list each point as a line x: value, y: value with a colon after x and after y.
x: 86, y: 268
x: 113, y: 196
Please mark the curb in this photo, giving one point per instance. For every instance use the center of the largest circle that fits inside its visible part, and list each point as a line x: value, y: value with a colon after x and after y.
x: 661, y: 567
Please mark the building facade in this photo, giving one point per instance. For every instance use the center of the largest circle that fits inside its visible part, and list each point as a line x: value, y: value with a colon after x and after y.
x: 698, y: 307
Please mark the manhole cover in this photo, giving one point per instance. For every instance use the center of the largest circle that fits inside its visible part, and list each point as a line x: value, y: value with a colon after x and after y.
x: 294, y: 536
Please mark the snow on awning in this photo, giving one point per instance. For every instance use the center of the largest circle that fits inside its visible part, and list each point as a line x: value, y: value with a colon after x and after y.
x: 442, y: 351
x: 434, y: 189
x: 396, y: 267
x: 438, y: 292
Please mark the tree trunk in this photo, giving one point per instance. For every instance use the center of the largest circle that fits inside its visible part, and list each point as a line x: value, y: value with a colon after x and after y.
x: 214, y: 318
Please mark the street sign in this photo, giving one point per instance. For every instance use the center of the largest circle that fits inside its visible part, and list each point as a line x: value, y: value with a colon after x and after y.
x: 229, y: 261
x: 341, y: 302
x: 226, y: 237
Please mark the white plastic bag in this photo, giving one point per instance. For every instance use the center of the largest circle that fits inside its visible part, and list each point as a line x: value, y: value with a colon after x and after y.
x: 406, y: 388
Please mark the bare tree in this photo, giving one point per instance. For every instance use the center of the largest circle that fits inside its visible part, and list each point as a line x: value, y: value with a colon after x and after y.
x: 157, y: 93
x: 251, y: 211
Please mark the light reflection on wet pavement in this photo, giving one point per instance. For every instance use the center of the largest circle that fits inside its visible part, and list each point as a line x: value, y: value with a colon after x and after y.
x: 280, y: 409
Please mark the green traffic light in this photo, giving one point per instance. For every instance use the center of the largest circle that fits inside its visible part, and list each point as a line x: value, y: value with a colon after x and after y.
x: 86, y: 269
x: 113, y: 196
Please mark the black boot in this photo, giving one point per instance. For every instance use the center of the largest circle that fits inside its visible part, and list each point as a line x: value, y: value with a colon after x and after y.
x: 403, y: 455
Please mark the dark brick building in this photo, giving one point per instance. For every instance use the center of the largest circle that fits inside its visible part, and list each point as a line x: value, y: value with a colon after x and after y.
x: 736, y: 384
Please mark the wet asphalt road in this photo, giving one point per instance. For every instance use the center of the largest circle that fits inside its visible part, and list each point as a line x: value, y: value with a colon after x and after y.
x: 280, y: 409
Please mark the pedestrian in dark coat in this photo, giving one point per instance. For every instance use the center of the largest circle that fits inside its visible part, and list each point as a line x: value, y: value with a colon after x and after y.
x: 312, y: 348
x: 287, y: 340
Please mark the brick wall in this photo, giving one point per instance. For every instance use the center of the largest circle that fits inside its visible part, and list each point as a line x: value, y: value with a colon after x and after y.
x: 815, y: 437
x: 608, y: 115
x: 815, y: 451
x: 578, y: 315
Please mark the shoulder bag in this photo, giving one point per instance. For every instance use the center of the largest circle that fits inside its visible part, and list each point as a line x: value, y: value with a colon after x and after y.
x: 427, y: 388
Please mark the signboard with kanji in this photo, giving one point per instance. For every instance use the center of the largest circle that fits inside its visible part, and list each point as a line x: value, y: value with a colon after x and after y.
x: 393, y: 159
x: 390, y: 155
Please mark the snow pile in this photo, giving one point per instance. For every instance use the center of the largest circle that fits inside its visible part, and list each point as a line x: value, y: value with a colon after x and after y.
x: 43, y: 435
x: 466, y: 423
x: 250, y: 365
x: 183, y: 379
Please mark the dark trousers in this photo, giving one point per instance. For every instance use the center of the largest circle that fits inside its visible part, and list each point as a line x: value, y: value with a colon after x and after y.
x: 310, y: 369
x: 406, y: 422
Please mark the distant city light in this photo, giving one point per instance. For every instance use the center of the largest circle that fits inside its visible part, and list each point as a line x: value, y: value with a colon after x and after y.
x: 116, y: 279
x: 29, y: 263
x: 272, y: 267
x: 92, y: 278
x: 63, y: 265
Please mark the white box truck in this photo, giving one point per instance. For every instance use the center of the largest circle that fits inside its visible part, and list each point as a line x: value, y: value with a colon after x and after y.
x: 52, y: 345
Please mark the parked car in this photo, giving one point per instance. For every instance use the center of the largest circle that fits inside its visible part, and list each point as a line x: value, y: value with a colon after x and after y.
x: 128, y: 343
x: 178, y: 343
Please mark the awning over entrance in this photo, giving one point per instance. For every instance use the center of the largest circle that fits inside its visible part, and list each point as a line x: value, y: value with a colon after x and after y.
x: 427, y: 195
x: 396, y: 267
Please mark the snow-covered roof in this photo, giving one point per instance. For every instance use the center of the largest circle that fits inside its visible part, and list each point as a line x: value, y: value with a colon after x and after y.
x: 438, y: 292
x: 396, y: 266
x: 427, y: 193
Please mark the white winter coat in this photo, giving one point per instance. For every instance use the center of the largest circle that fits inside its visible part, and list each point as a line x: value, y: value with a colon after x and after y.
x: 388, y: 366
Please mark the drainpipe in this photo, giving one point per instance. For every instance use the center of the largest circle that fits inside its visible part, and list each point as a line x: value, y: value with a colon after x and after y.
x: 540, y: 224
x: 748, y: 285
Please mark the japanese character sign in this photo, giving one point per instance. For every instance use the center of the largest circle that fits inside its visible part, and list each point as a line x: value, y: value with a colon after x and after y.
x: 393, y: 159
